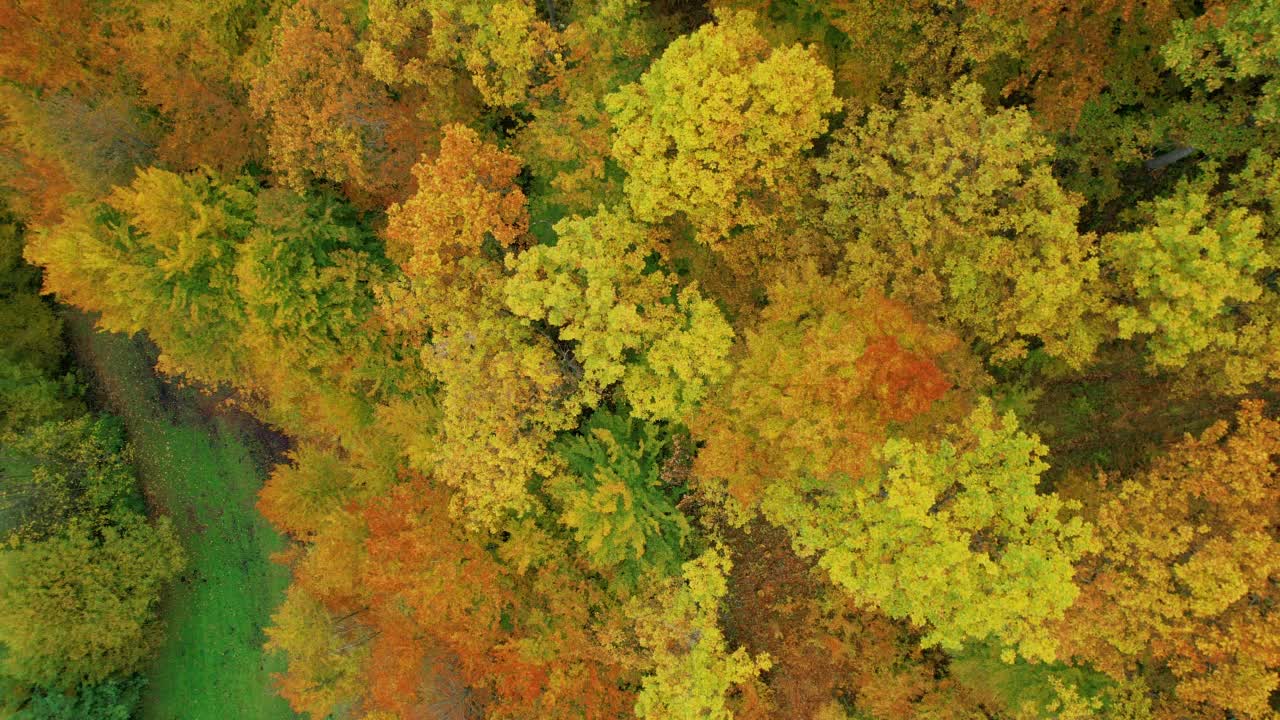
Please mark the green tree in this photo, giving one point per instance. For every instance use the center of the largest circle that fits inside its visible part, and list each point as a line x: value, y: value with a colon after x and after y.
x: 107, y: 700
x: 305, y: 275
x: 77, y: 469
x: 30, y: 332
x: 1237, y: 43
x: 614, y: 499
x: 79, y: 605
x: 29, y: 397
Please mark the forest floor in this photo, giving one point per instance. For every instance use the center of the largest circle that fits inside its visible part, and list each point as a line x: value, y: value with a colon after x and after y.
x: 202, y: 465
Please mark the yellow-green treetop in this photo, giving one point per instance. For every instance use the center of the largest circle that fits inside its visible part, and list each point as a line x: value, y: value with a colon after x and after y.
x: 158, y: 255
x: 501, y: 44
x: 78, y: 606
x: 716, y: 127
x: 1192, y: 281
x: 465, y: 195
x: 1231, y: 43
x: 627, y: 324
x: 955, y: 210
x: 1186, y: 575
x: 953, y: 537
x: 693, y: 668
x: 824, y: 374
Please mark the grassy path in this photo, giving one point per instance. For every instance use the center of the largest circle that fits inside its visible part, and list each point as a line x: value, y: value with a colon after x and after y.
x: 204, y: 469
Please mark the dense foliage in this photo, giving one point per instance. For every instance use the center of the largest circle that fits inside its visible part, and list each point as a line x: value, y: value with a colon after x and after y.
x: 729, y: 359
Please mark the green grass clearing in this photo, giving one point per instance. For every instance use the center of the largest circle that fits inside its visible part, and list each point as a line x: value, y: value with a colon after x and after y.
x: 203, y: 469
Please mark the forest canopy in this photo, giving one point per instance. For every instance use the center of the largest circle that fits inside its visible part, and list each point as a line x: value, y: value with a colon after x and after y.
x: 830, y: 360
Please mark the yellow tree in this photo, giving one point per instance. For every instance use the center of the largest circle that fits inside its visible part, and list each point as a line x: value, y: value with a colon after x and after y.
x: 955, y: 211
x: 1192, y: 281
x: 325, y: 654
x: 692, y: 666
x: 1186, y: 577
x: 953, y: 537
x: 159, y: 255
x: 717, y: 126
x: 628, y: 325
x: 506, y: 391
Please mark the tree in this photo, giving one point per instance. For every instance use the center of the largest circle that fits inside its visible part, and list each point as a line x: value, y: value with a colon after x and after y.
x: 66, y: 148
x: 955, y: 211
x: 466, y: 195
x: 613, y: 498
x: 716, y: 127
x: 78, y: 468
x: 326, y: 116
x: 54, y: 44
x: 426, y: 566
x: 1076, y: 49
x: 605, y: 44
x: 880, y: 52
x: 30, y: 397
x: 1185, y: 576
x: 79, y: 606
x: 692, y: 665
x: 505, y: 394
x: 305, y: 276
x: 107, y: 700
x: 823, y: 377
x: 1193, y: 281
x: 31, y: 332
x: 316, y: 482
x: 159, y: 256
x: 628, y: 325
x: 953, y: 537
x: 501, y: 45
x: 188, y: 58
x: 503, y: 387
x: 1231, y: 45
x: 325, y: 655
